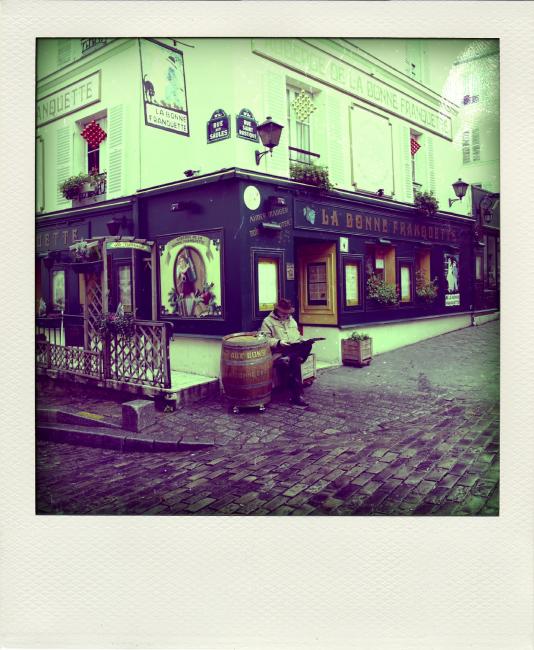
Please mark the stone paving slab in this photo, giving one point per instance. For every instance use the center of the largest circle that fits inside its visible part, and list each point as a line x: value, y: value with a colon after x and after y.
x: 370, y: 444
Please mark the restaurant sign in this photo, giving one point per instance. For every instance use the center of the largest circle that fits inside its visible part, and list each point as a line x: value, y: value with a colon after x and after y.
x: 133, y: 245
x: 246, y: 126
x: 335, y: 219
x: 69, y: 99
x: 218, y: 127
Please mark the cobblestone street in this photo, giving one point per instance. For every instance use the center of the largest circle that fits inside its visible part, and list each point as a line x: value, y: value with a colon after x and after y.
x: 417, y: 432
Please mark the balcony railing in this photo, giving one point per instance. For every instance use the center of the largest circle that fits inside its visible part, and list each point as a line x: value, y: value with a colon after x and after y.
x: 301, y: 156
x: 98, y: 187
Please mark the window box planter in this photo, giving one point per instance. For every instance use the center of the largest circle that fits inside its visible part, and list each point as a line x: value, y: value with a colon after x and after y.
x: 356, y: 352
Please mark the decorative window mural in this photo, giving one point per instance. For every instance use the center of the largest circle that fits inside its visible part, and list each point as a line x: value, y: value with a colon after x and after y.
x: 164, y: 93
x: 452, y: 293
x: 191, y: 276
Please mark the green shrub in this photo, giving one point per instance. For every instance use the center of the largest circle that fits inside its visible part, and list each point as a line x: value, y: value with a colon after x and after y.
x: 311, y: 174
x: 357, y: 336
x: 382, y: 292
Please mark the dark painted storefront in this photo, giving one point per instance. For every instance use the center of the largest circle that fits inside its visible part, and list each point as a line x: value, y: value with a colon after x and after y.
x: 236, y: 230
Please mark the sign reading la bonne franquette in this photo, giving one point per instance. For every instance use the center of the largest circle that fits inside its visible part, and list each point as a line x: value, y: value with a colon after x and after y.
x: 69, y: 99
x: 317, y: 64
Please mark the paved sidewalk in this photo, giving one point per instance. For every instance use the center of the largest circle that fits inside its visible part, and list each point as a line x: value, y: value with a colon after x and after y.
x: 414, y: 433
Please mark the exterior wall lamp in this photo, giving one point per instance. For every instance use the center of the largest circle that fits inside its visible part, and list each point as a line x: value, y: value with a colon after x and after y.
x: 269, y: 133
x: 116, y: 224
x: 460, y: 188
x: 277, y: 202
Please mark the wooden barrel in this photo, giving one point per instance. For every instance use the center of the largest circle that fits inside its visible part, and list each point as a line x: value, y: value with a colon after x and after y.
x: 246, y: 369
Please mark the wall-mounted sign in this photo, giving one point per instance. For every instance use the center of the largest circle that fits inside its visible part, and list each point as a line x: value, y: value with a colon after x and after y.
x: 331, y: 218
x: 191, y: 276
x: 218, y: 127
x: 134, y: 245
x: 56, y: 240
x: 246, y: 125
x: 163, y: 86
x: 344, y: 244
x: 290, y: 271
x: 69, y: 99
x: 451, y: 271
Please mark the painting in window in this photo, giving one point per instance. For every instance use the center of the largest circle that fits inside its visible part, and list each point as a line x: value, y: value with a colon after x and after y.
x: 352, y: 284
x: 58, y: 290
x: 191, y: 276
x: 317, y: 284
x: 267, y: 283
x: 451, y: 271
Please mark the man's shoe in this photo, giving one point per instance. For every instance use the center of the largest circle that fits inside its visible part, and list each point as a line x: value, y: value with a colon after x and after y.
x: 298, y: 401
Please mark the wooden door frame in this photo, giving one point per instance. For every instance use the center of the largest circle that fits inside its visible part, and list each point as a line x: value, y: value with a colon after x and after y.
x: 320, y: 251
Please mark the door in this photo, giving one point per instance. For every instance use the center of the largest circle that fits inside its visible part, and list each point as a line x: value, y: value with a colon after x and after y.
x: 317, y: 283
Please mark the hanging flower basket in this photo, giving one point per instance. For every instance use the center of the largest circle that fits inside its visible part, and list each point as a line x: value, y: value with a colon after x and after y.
x: 117, y: 324
x: 85, y: 256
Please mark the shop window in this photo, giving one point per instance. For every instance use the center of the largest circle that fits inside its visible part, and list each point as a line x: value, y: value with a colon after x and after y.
x: 124, y: 284
x: 352, y: 282
x: 58, y: 290
x: 406, y: 281
x: 268, y: 281
x: 317, y: 283
x: 381, y: 262
x: 300, y: 107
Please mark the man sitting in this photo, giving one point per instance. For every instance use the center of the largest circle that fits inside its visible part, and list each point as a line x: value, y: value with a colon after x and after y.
x: 281, y: 330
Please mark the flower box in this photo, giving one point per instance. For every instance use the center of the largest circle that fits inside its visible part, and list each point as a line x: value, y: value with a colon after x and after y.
x: 356, y: 353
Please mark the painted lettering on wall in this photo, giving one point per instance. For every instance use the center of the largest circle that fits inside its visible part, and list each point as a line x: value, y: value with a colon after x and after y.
x: 56, y: 239
x: 69, y: 99
x: 315, y: 63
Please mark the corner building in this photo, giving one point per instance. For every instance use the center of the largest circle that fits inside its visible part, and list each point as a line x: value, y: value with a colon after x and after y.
x: 197, y: 235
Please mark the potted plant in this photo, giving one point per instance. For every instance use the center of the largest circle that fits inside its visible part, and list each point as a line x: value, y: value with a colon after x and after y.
x: 311, y: 174
x: 381, y: 291
x: 357, y: 350
x: 85, y: 256
x: 425, y: 291
x: 426, y: 203
x: 72, y: 186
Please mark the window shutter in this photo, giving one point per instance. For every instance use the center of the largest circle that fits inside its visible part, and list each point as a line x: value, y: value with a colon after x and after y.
x: 466, y: 154
x: 275, y: 107
x: 475, y: 144
x: 430, y: 163
x: 405, y: 163
x: 372, y: 153
x: 115, y: 151
x: 63, y: 159
x: 335, y: 142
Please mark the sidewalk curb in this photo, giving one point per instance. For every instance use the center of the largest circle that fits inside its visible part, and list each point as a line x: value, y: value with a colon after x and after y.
x: 119, y: 441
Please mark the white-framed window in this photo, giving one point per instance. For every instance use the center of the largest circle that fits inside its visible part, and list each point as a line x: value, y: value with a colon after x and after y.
x: 301, y: 105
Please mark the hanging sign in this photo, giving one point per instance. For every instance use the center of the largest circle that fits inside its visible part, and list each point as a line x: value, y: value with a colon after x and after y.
x: 163, y: 87
x: 135, y: 245
x: 218, y: 127
x: 246, y: 125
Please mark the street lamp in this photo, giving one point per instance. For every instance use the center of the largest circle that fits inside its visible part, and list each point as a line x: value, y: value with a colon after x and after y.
x: 269, y: 133
x: 460, y: 188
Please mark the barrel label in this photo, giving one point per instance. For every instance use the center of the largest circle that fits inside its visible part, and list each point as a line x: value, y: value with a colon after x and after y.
x: 247, y: 354
x: 246, y: 373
